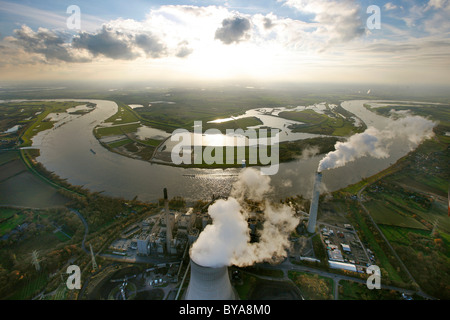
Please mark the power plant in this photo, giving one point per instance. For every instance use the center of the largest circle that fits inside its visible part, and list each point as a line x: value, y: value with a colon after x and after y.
x: 314, y: 203
x: 209, y: 283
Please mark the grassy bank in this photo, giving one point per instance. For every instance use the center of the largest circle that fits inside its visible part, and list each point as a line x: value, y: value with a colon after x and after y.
x: 41, y: 123
x: 326, y: 124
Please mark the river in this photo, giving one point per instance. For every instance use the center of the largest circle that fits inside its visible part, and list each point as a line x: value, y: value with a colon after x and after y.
x: 66, y: 150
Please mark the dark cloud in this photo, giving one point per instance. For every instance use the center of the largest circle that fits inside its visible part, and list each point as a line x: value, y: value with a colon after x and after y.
x: 109, y: 43
x: 51, y: 44
x: 346, y: 27
x: 151, y: 45
x: 233, y: 30
x: 183, y: 52
x: 268, y: 24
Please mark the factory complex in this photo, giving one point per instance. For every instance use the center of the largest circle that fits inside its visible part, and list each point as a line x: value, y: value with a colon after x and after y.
x: 161, y: 243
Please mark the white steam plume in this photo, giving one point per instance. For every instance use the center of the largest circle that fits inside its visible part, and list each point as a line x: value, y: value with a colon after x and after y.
x: 375, y: 143
x: 226, y: 241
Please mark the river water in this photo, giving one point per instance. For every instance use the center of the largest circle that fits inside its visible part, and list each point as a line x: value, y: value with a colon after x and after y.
x: 71, y: 151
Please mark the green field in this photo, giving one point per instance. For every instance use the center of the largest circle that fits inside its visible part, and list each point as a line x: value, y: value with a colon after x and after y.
x: 386, y: 214
x: 330, y: 123
x: 349, y: 290
x: 40, y: 124
x: 243, y: 124
x: 101, y: 132
x: 30, y: 287
x: 124, y: 115
x: 9, y: 219
x: 7, y: 156
x: 244, y: 289
x: 400, y: 235
x: 22, y: 188
x: 119, y: 143
x: 373, y: 240
x: 313, y: 286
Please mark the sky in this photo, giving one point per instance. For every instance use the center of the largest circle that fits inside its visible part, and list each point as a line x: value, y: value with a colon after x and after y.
x: 305, y: 41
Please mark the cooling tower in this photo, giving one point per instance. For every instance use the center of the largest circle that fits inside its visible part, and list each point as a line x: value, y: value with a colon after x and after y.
x: 314, y: 204
x: 209, y: 284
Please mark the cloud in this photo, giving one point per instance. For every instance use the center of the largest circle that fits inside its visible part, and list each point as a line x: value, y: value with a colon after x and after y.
x: 268, y: 23
x: 49, y: 43
x: 337, y: 21
x: 233, y: 30
x: 437, y: 4
x: 439, y: 22
x: 151, y: 45
x: 183, y: 50
x: 107, y: 42
x: 325, y: 41
x: 390, y: 6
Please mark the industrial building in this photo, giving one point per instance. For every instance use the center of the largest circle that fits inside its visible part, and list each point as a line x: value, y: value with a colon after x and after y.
x: 344, y: 248
x: 166, y: 234
x: 143, y: 243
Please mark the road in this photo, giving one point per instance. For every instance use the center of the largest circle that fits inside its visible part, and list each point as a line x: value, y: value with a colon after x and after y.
x: 86, y: 230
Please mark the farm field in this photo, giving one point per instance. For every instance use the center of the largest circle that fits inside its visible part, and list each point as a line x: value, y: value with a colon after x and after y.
x: 19, y: 187
x: 357, y: 291
x: 313, y: 286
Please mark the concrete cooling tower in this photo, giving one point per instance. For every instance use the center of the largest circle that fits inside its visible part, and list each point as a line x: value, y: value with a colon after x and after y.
x: 314, y: 203
x: 209, y: 284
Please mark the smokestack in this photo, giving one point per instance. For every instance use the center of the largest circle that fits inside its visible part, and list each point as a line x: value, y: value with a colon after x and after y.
x: 167, y: 218
x: 314, y: 203
x: 209, y: 283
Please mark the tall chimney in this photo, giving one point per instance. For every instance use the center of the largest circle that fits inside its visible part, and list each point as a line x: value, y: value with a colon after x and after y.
x: 167, y: 218
x: 209, y: 283
x: 314, y: 203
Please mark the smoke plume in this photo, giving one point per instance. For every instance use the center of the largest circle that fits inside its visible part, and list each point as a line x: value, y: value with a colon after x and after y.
x: 226, y: 241
x: 411, y: 130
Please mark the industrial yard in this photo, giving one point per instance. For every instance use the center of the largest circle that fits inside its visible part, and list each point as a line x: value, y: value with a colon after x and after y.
x: 344, y: 249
